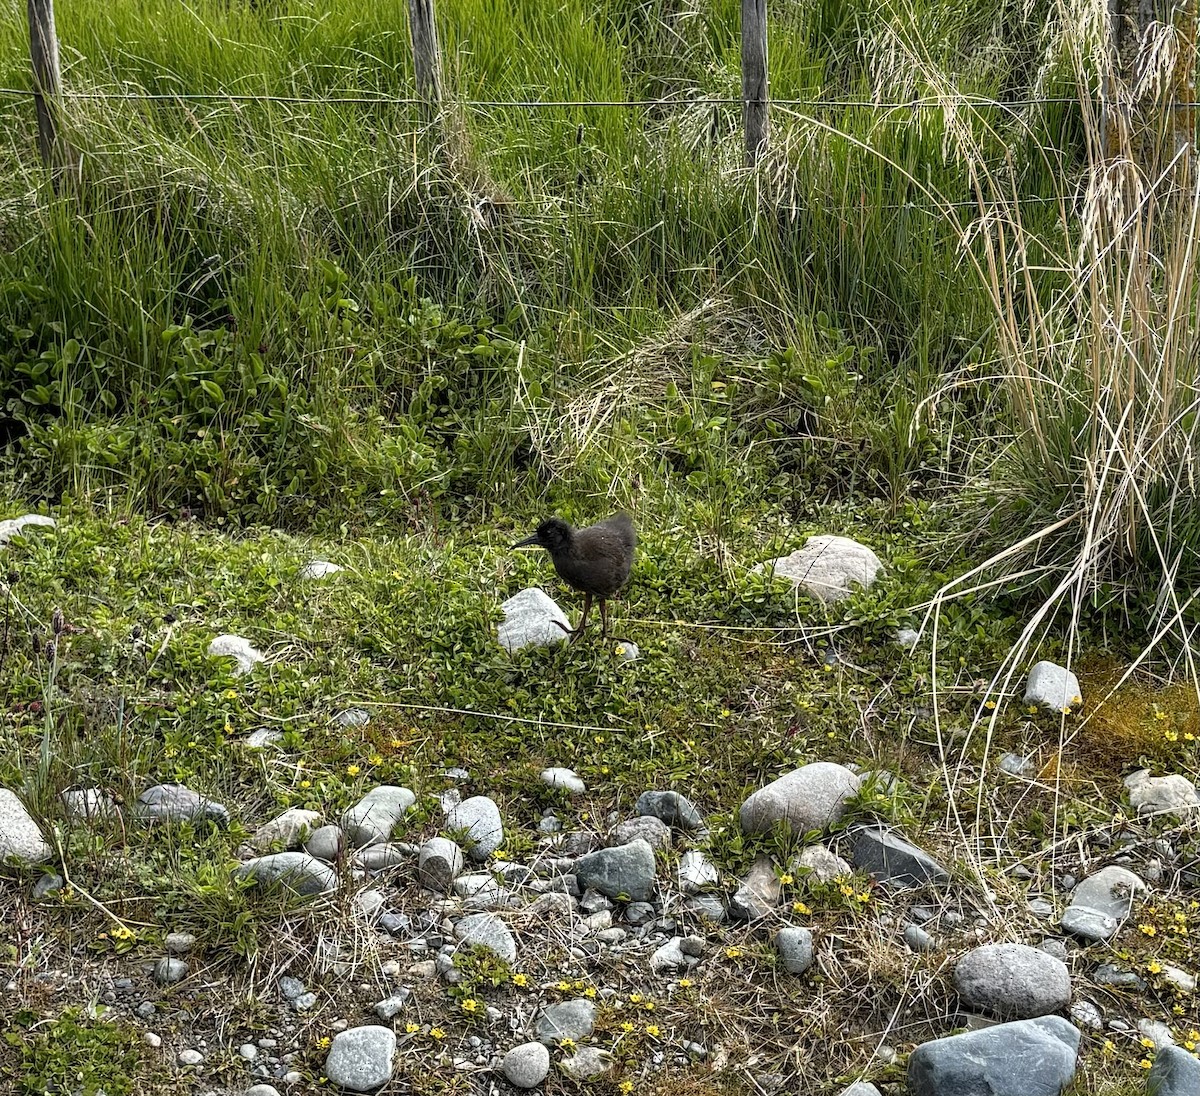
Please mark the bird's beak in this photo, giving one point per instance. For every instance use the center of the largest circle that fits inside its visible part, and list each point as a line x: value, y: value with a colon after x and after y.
x: 526, y: 542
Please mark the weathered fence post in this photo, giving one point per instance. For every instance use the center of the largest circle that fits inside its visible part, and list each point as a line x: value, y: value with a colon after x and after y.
x: 47, y: 84
x: 427, y: 58
x: 754, y: 77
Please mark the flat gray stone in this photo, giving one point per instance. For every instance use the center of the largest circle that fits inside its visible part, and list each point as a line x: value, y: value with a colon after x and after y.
x: 179, y: 943
x: 297, y: 871
x: 572, y: 1019
x: 809, y: 798
x: 918, y: 939
x: 625, y: 872
x: 371, y: 820
x: 262, y: 1090
x: 527, y: 1065
x: 655, y: 832
x: 569, y: 780
x: 759, y: 894
x: 352, y: 717
x: 1157, y: 1032
x: 486, y: 930
x: 377, y: 858
x: 479, y: 819
x: 672, y: 808
x: 438, y: 864
x: 317, y: 568
x: 707, y: 907
x: 178, y: 803
x: 391, y: 1007
x: 20, y: 836
x: 795, y: 947
x: 1175, y: 1072
x: 984, y: 1063
x: 823, y: 865
x: 668, y: 957
x: 860, y: 1088
x: 361, y: 1058
x: 262, y: 737
x: 1012, y: 764
x: 89, y: 803
x: 888, y: 858
x: 1052, y: 687
x: 587, y: 1064
x: 696, y: 872
x: 1012, y: 981
x: 287, y: 831
x: 531, y: 619
x: 827, y: 567
x: 1101, y: 902
x: 15, y: 527
x: 244, y: 654
x: 326, y: 843
x: 1172, y: 794
x: 189, y: 1057
x: 46, y: 886
x: 169, y: 970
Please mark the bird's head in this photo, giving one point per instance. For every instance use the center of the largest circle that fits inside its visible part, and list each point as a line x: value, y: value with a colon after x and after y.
x: 553, y: 534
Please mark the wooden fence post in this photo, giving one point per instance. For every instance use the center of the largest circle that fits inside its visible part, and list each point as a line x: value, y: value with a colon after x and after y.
x: 427, y: 58
x: 47, y: 84
x: 754, y: 77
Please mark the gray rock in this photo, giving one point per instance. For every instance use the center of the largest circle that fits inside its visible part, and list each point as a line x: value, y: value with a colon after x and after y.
x: 587, y: 1064
x: 655, y: 832
x: 1175, y: 1072
x: 890, y: 859
x: 827, y: 567
x: 297, y: 871
x: 981, y: 1063
x: 371, y: 820
x: 668, y: 957
x: 1107, y: 974
x: 377, y: 858
x: 317, y: 568
x: 152, y: 1040
x: 1012, y: 764
x: 15, y: 527
x: 822, y: 864
x: 248, y: 1051
x: 262, y: 1090
x: 390, y: 1007
x: 1157, y: 1032
x: 531, y: 619
x: 708, y: 907
x: 548, y: 824
x: 167, y: 971
x: 623, y: 871
x: 672, y: 808
x: 353, y: 717
x: 438, y: 864
x: 1182, y: 980
x: 262, y: 737
x: 552, y: 903
x: 560, y: 778
x: 179, y: 943
x: 695, y: 872
x: 759, y: 895
x: 288, y: 830
x: 1012, y: 981
x: 245, y: 655
x: 572, y: 1019
x: 1101, y: 902
x: 177, y: 803
x: 361, y: 1058
x: 809, y: 798
x: 907, y: 638
x: 795, y: 947
x: 486, y: 930
x: 1040, y: 907
x: 479, y: 819
x: 918, y: 939
x: 1173, y: 794
x: 1052, y: 686
x: 1087, y: 1015
x: 527, y: 1065
x: 639, y: 913
x: 89, y: 803
x: 190, y: 1058
x: 326, y: 843
x: 628, y: 651
x: 860, y: 1088
x: 370, y: 904
x: 46, y: 886
x: 290, y: 987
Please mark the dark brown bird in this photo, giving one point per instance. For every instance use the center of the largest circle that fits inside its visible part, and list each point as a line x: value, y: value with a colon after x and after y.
x: 595, y: 560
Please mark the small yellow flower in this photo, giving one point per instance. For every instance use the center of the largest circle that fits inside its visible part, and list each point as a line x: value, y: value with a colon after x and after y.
x: 1160, y: 715
x: 1154, y: 966
x: 1189, y: 1044
x: 989, y: 704
x: 590, y: 991
x: 412, y: 1028
x: 786, y: 879
x: 375, y: 759
x: 800, y: 907
x: 653, y: 1030
x: 627, y: 1027
x: 733, y: 953
x: 1032, y: 709
x: 578, y: 984
x: 230, y: 694
x: 685, y: 983
x: 1109, y: 1046
x: 437, y: 1033
x: 521, y: 980
x: 635, y: 998
x: 863, y: 896
x: 352, y: 770
x: 649, y: 1006
x: 625, y: 1088
x: 1147, y: 930
x: 396, y: 743
x: 324, y: 1042
x: 469, y: 1004
x: 1145, y: 1063
x: 605, y: 770
x: 567, y: 1044
x: 500, y: 854
x: 306, y: 783
x: 562, y: 987
x: 1147, y: 1043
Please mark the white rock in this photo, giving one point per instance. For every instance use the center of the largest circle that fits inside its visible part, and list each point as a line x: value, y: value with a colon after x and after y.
x: 373, y: 817
x: 361, y: 1058
x: 907, y: 638
x: 237, y: 648
x: 263, y: 737
x: 479, y: 817
x: 531, y: 619
x: 628, y: 651
x: 318, y: 568
x: 290, y: 829
x: 486, y: 930
x: 527, y: 1065
x: 1052, y: 686
x: 827, y: 567
x: 695, y: 872
x: 20, y: 836
x: 88, y: 803
x: 190, y: 1058
x: 1173, y: 794
x: 564, y: 778
x: 809, y: 798
x: 822, y: 864
x: 15, y: 527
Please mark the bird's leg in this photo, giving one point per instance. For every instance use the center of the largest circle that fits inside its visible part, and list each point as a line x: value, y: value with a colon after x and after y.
x: 587, y: 604
x: 603, y: 619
